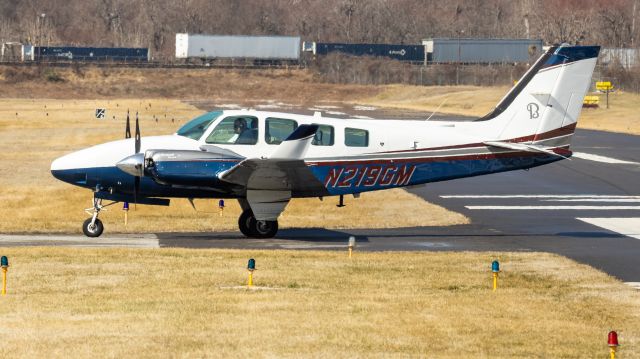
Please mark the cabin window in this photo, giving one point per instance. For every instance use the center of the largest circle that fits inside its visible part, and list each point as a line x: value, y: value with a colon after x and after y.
x: 354, y: 137
x: 324, y: 136
x: 278, y: 129
x: 196, y: 127
x: 238, y: 130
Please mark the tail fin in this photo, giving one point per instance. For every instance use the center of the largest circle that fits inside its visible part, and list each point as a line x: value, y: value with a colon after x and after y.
x: 547, y: 100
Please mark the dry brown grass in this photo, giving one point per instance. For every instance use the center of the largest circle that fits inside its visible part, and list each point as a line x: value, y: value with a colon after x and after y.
x: 34, y: 201
x: 461, y: 100
x: 622, y: 116
x: 291, y: 86
x: 66, y: 302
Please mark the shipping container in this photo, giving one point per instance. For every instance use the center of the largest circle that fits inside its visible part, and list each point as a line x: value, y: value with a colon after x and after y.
x: 117, y: 54
x: 27, y: 53
x: 237, y: 47
x: 413, y: 53
x: 482, y: 51
x: 11, y: 52
x: 625, y: 57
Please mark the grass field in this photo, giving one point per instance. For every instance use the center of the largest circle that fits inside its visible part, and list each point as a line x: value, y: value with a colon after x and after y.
x: 34, y: 132
x: 66, y: 302
x: 622, y: 115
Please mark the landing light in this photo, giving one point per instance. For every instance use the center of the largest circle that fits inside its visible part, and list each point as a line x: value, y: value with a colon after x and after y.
x: 221, y: 206
x: 4, y: 263
x: 251, y: 266
x: 613, y: 339
x: 125, y: 208
x: 495, y: 267
x: 613, y: 343
x: 352, y: 244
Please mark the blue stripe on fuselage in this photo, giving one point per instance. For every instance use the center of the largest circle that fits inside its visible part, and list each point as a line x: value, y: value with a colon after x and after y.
x: 361, y: 177
x: 117, y: 181
x: 339, y: 178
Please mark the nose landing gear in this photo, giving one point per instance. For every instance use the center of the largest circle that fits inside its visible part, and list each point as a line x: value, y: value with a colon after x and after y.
x: 93, y: 227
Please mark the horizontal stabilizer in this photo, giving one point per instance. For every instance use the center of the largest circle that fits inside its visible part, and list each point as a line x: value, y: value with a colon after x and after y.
x: 522, y: 147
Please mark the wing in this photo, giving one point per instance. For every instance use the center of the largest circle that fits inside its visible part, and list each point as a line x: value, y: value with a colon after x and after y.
x: 270, y: 182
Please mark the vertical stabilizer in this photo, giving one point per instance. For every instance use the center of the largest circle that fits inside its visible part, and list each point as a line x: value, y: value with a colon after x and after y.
x: 547, y: 100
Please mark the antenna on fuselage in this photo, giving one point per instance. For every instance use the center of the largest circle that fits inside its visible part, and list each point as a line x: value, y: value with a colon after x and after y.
x: 434, y: 112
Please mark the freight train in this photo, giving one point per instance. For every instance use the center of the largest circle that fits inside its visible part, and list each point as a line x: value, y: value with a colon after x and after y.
x: 261, y: 48
x: 30, y: 53
x: 218, y: 49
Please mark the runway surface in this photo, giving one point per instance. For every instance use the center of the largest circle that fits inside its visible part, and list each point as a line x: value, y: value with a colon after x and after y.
x: 586, y: 208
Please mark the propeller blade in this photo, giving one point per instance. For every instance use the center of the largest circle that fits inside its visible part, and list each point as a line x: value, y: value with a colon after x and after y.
x: 127, y: 130
x: 137, y: 134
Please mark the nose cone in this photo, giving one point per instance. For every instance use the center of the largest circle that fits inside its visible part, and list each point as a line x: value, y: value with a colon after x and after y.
x: 133, y: 165
x: 63, y: 168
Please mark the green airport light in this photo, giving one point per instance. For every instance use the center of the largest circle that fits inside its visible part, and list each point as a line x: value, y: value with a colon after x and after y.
x: 251, y: 266
x: 4, y: 263
x: 495, y: 268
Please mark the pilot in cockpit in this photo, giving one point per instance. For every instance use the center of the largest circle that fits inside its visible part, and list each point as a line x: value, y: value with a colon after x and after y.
x: 239, y: 126
x: 243, y: 134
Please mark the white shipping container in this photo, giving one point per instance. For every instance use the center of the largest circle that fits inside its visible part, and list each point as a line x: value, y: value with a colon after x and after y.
x: 251, y: 47
x: 27, y: 53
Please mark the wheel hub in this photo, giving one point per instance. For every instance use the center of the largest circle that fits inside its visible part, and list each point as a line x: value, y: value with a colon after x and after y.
x: 263, y: 226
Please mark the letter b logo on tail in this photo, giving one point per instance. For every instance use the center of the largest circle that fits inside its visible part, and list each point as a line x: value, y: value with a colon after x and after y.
x: 533, y: 110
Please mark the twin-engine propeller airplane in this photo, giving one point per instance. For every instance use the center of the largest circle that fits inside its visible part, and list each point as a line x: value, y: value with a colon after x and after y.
x: 263, y: 159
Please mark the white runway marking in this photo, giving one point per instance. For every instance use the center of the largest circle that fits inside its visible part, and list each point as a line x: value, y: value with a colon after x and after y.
x: 607, y: 199
x: 326, y: 107
x: 335, y: 113
x: 540, y: 196
x: 626, y: 226
x: 581, y: 208
x: 364, y: 108
x: 312, y: 246
x: 603, y: 159
x: 634, y: 285
x: 147, y: 241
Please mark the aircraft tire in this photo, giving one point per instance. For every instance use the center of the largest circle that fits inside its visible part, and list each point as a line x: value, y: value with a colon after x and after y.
x: 92, y: 231
x: 245, y: 223
x: 264, y: 229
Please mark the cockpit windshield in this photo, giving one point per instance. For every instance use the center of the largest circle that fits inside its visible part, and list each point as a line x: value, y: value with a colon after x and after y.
x: 196, y: 127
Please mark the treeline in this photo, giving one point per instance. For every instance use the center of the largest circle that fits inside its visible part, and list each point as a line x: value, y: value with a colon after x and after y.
x: 153, y: 23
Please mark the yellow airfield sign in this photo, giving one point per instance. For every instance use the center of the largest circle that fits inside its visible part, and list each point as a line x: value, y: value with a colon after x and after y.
x: 604, y: 85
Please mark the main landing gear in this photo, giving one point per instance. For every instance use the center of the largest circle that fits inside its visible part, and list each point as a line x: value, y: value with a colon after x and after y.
x: 251, y: 227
